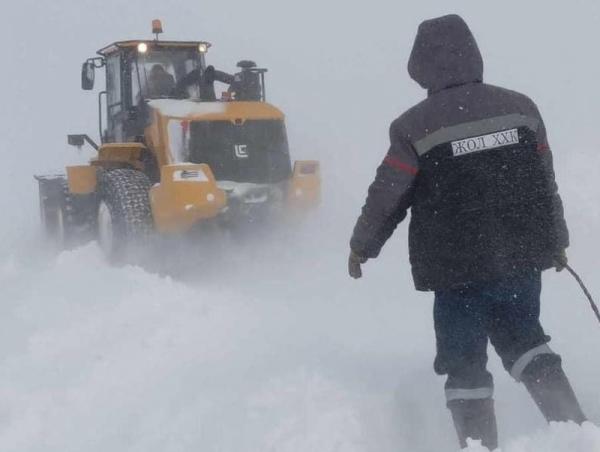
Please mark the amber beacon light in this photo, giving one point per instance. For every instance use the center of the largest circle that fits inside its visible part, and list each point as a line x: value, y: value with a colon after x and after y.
x: 157, y: 27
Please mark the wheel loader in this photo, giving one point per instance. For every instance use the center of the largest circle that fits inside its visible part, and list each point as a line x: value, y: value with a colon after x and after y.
x: 172, y: 155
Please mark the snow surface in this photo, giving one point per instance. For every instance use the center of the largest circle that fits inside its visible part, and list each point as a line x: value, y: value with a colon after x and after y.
x: 272, y: 347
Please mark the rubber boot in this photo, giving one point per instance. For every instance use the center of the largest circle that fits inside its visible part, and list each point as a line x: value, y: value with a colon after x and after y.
x: 475, y: 419
x: 550, y: 389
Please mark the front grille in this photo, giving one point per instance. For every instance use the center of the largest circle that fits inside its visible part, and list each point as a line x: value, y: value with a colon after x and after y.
x: 255, y: 151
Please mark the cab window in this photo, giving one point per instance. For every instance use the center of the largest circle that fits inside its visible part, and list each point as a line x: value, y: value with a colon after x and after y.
x: 155, y: 74
x: 113, y: 81
x: 114, y: 86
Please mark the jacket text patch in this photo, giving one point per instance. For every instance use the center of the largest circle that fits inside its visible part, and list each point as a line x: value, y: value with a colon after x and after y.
x: 484, y: 142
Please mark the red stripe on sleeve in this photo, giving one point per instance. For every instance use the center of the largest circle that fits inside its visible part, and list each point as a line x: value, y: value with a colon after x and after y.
x: 399, y: 165
x: 543, y: 147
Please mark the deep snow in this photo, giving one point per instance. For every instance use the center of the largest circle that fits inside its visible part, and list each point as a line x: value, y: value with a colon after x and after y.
x: 274, y: 348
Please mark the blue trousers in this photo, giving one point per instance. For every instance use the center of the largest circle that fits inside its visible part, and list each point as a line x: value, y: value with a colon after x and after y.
x: 505, y: 312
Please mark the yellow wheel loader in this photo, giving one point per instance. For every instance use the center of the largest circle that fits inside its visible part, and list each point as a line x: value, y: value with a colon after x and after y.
x: 173, y: 155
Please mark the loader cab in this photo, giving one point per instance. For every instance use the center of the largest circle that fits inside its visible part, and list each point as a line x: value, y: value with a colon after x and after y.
x: 137, y: 71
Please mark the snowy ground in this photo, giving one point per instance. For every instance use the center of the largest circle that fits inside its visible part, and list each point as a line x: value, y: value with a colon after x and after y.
x: 274, y: 350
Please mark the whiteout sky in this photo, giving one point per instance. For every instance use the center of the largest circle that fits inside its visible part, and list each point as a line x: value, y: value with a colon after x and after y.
x: 275, y: 349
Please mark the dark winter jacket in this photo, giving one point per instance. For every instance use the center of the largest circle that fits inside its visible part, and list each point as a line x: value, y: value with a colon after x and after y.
x: 474, y: 164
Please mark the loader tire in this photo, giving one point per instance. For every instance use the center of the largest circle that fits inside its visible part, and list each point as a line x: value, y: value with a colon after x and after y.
x: 125, y: 223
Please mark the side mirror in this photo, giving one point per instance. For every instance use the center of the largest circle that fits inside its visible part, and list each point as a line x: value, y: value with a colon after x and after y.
x: 88, y: 75
x: 76, y: 140
x: 80, y: 139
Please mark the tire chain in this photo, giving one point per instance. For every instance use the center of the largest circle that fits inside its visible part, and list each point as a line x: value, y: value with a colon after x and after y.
x: 127, y: 191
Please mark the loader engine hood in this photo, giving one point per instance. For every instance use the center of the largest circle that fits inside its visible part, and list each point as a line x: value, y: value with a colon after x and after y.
x: 243, y: 142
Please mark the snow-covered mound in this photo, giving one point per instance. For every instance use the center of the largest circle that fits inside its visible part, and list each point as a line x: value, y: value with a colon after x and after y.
x: 264, y: 355
x: 100, y: 358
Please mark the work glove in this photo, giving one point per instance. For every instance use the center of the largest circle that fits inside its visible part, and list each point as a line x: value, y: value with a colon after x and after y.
x: 354, y: 263
x: 561, y: 261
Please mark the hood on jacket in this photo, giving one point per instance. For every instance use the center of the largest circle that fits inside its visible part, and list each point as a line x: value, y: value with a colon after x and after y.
x: 445, y: 54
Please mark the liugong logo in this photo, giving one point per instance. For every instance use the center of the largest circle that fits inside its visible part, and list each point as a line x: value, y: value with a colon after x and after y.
x: 241, y: 151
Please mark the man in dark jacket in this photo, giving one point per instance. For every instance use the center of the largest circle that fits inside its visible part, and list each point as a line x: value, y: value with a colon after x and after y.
x: 473, y: 163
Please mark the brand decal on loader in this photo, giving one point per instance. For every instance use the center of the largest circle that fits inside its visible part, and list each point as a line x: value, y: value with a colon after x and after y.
x: 189, y: 176
x: 241, y: 151
x: 484, y: 142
